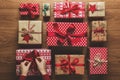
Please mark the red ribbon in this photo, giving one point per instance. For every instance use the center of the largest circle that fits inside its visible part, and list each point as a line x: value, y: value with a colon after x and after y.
x: 92, y: 8
x: 101, y: 30
x: 30, y: 8
x: 62, y: 38
x: 67, y: 65
x: 27, y: 33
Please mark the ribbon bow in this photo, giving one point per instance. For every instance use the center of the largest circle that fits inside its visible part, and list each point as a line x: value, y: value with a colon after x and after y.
x: 46, y: 8
x: 30, y: 8
x: 99, y: 30
x: 67, y: 65
x: 63, y: 38
x: 92, y: 8
x: 26, y: 33
x: 98, y: 60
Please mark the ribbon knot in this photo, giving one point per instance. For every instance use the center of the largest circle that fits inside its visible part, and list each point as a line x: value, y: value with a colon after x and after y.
x: 46, y: 8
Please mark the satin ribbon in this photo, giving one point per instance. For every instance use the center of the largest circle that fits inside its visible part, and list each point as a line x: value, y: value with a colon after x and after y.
x: 98, y: 60
x: 67, y: 65
x: 68, y: 37
x: 30, y: 8
x: 26, y: 33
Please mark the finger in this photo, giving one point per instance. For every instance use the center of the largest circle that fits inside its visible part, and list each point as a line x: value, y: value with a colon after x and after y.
x: 36, y: 60
x: 29, y: 63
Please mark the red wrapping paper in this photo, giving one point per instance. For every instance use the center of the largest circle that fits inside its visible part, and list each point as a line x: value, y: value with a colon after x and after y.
x: 69, y: 64
x: 69, y: 9
x: 98, y: 60
x: 66, y: 34
x: 30, y: 55
x: 29, y: 9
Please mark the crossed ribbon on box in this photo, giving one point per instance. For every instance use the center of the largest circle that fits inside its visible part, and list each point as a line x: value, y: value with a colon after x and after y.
x: 67, y: 65
x: 97, y: 61
x: 68, y: 37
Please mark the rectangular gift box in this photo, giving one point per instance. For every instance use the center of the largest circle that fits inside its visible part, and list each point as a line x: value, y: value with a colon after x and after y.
x: 96, y: 9
x: 29, y: 9
x: 98, y: 60
x: 27, y: 54
x: 99, y: 31
x: 69, y: 10
x: 67, y: 34
x: 69, y: 64
x: 30, y: 32
x: 46, y: 10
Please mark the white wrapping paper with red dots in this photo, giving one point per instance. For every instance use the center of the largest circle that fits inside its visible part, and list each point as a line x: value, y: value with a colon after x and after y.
x: 77, y: 11
x: 98, y: 60
x: 67, y: 34
x: 44, y: 53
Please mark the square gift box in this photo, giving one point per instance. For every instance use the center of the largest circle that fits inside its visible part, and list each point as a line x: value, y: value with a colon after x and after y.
x: 29, y: 9
x: 69, y: 64
x: 99, y: 31
x: 96, y: 9
x: 98, y: 60
x: 69, y: 9
x: 46, y: 10
x: 67, y: 34
x: 30, y: 55
x: 30, y: 32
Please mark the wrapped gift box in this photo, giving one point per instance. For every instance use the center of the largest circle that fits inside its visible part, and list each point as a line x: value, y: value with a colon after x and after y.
x: 30, y: 55
x: 30, y: 32
x: 99, y: 31
x: 96, y: 9
x: 98, y: 60
x: 69, y: 64
x: 69, y: 10
x: 66, y: 34
x: 46, y: 9
x: 29, y: 9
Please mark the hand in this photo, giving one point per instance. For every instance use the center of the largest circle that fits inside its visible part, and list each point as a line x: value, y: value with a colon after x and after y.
x: 25, y: 67
x: 41, y: 64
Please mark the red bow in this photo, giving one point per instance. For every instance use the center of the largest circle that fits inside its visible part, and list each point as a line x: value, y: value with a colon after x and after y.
x: 92, y: 8
x: 30, y: 8
x: 62, y: 38
x: 67, y: 65
x: 101, y: 30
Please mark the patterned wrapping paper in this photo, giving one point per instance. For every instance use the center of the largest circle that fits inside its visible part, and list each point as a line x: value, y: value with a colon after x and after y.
x: 99, y: 31
x: 66, y: 34
x: 22, y: 54
x: 69, y: 64
x: 46, y: 10
x: 69, y: 10
x: 30, y: 32
x: 98, y: 60
x: 29, y: 9
x: 96, y: 9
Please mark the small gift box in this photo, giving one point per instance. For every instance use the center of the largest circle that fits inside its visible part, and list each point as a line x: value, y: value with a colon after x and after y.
x: 46, y: 10
x: 30, y: 55
x: 96, y: 9
x: 98, y: 60
x: 69, y: 10
x: 29, y: 9
x: 99, y: 31
x: 30, y: 32
x: 69, y: 64
x: 66, y: 34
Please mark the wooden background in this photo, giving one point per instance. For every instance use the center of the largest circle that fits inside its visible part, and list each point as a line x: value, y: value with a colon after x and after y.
x: 9, y: 16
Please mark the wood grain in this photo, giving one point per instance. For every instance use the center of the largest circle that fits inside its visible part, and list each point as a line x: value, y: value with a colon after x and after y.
x: 9, y: 16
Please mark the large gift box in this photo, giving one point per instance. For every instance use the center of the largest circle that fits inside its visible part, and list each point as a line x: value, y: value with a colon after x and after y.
x: 30, y: 32
x: 69, y: 64
x: 66, y: 34
x: 96, y: 9
x: 99, y: 31
x: 29, y: 9
x: 69, y: 9
x: 30, y: 55
x: 46, y: 10
x: 98, y: 60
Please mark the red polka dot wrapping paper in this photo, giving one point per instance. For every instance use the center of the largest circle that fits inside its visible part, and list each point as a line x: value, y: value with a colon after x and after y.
x: 44, y: 53
x: 98, y: 53
x: 62, y: 37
